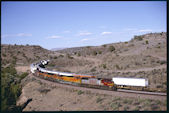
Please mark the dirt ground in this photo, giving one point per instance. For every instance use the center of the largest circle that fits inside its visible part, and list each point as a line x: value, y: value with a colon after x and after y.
x: 22, y: 68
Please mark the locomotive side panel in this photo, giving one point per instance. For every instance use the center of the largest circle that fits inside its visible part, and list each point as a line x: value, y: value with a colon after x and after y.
x: 71, y: 79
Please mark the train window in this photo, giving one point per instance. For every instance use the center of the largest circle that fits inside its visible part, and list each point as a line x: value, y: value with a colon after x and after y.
x: 50, y: 73
x: 69, y: 76
x: 85, y: 78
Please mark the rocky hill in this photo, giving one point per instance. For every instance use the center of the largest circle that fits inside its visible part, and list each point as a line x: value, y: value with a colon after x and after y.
x: 22, y: 55
x: 143, y: 57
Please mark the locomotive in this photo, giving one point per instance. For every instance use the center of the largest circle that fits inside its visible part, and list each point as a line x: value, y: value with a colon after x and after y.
x: 82, y: 80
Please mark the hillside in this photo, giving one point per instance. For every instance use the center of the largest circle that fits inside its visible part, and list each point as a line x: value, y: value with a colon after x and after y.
x: 143, y: 56
x: 22, y: 55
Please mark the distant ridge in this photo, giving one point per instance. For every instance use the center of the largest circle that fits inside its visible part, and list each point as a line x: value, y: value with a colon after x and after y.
x: 56, y: 49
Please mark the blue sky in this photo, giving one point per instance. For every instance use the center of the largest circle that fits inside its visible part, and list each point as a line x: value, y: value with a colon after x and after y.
x: 74, y: 24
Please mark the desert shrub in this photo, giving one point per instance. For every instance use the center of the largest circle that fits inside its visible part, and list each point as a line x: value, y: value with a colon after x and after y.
x: 158, y: 47
x: 146, y: 41
x: 10, y: 70
x: 116, y: 99
x: 78, y: 54
x: 94, y: 53
x: 115, y: 106
x: 23, y: 75
x: 99, y: 99
x: 61, y: 56
x: 117, y: 66
x: 80, y: 92
x: 55, y: 57
x: 137, y: 108
x: 4, y: 55
x: 126, y: 108
x: 127, y: 101
x: 111, y: 48
x: 69, y: 57
x: 100, y: 52
x: 139, y: 38
x: 147, y: 102
x: 104, y: 66
x: 10, y: 88
x: 75, y: 53
x: 163, y: 62
x: 137, y: 63
x: 136, y: 103
x: 93, y: 69
x: 104, y: 45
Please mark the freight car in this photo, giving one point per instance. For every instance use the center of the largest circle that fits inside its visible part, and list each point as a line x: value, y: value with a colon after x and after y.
x: 91, y: 81
x: 131, y: 83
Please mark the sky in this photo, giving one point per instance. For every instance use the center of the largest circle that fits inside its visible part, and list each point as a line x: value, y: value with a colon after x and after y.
x: 76, y: 24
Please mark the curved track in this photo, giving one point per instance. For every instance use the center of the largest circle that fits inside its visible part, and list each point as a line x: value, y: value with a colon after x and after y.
x: 123, y: 92
x: 142, y: 92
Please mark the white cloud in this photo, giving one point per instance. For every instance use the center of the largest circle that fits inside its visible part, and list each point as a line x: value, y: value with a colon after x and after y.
x: 17, y: 35
x: 85, y: 39
x: 53, y: 37
x: 106, y: 33
x: 23, y: 34
x: 84, y: 34
x: 145, y: 30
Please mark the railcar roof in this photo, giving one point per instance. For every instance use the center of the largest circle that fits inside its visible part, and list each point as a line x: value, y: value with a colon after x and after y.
x: 129, y: 78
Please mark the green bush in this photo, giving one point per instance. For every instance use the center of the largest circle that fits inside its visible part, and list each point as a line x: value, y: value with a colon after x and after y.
x: 4, y: 55
x: 55, y: 57
x: 139, y: 38
x: 111, y: 48
x: 61, y: 56
x: 23, y: 75
x: 70, y: 57
x: 78, y: 54
x: 10, y: 88
x: 104, y: 66
x: 104, y: 45
x: 117, y: 66
x: 99, y: 99
x: 94, y: 53
x: 80, y: 92
x: 146, y: 41
x: 100, y: 52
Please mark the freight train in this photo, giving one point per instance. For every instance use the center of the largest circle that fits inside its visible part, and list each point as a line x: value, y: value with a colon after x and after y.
x: 83, y: 80
x: 38, y: 69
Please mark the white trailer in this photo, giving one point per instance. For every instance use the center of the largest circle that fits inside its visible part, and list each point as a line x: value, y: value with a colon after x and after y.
x: 130, y: 81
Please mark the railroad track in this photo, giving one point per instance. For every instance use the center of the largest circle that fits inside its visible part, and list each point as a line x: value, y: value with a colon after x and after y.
x: 118, y: 90
x: 142, y: 92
